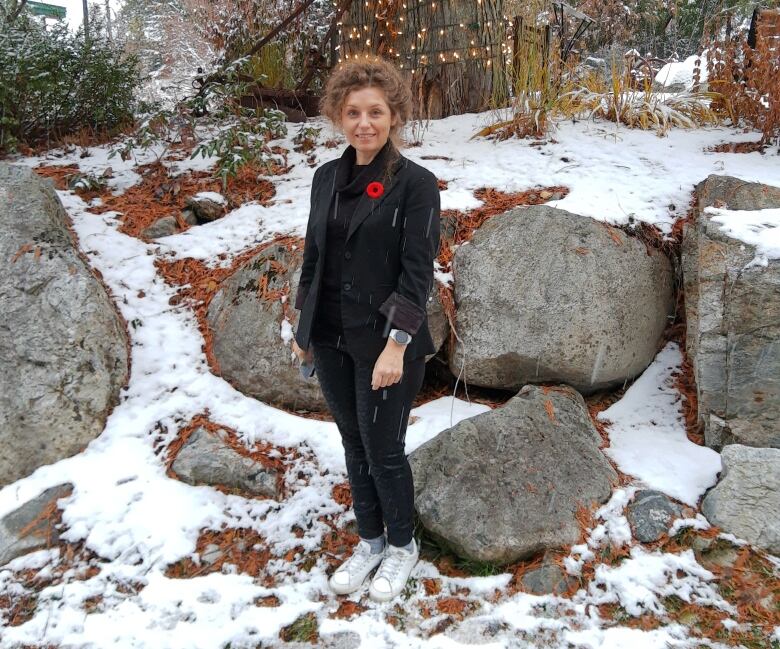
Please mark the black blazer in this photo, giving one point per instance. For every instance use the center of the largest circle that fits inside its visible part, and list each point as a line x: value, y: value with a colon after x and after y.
x: 387, y: 269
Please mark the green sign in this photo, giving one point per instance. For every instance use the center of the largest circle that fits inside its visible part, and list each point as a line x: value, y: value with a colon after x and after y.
x: 43, y: 9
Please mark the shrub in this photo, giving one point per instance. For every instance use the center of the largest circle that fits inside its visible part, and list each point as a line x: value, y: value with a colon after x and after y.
x: 215, y: 123
x: 748, y: 81
x: 53, y: 82
x: 618, y: 101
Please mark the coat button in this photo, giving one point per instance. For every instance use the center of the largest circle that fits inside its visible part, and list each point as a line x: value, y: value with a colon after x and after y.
x: 347, y: 286
x: 348, y: 255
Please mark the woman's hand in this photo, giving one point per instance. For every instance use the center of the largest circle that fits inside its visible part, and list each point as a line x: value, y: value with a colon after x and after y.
x: 302, y: 355
x: 389, y: 366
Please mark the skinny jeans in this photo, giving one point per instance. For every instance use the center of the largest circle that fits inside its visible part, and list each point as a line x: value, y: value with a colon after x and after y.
x: 372, y: 424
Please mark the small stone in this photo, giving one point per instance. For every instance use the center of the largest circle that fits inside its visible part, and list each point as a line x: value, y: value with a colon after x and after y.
x: 547, y: 579
x: 650, y: 515
x: 163, y: 227
x: 720, y: 555
x: 205, y: 208
x: 746, y: 500
x: 189, y: 217
x: 13, y: 542
x: 205, y: 459
x: 211, y: 554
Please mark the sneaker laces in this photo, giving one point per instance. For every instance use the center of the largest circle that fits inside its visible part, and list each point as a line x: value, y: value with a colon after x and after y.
x: 392, y: 563
x: 360, y: 557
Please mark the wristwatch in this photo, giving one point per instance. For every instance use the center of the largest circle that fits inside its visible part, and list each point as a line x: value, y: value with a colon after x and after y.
x: 401, y: 337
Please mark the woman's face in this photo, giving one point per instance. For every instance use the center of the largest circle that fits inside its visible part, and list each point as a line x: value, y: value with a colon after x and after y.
x: 366, y: 120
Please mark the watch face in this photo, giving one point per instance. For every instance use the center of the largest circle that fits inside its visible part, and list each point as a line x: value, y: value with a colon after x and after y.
x: 402, y: 337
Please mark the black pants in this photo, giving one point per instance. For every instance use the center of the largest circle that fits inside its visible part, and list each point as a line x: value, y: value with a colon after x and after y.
x: 373, y: 424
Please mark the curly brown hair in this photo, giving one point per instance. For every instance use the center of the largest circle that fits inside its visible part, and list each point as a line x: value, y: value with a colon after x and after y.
x: 374, y: 72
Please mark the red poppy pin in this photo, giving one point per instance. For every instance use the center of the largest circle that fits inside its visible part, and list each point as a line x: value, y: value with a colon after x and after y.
x: 375, y: 189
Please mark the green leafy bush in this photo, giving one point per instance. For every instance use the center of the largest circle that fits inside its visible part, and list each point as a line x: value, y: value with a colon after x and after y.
x: 216, y: 123
x: 53, y: 82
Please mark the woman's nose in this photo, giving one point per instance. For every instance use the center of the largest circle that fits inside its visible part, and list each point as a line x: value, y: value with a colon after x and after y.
x: 364, y: 121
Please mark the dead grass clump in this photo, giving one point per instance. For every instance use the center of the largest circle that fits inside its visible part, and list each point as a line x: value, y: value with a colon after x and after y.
x: 521, y: 126
x: 303, y: 629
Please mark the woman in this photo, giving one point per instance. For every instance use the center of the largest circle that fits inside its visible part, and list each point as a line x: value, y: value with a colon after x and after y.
x: 371, y: 239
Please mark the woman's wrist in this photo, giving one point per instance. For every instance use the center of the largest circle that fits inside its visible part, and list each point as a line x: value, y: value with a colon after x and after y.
x: 395, y: 347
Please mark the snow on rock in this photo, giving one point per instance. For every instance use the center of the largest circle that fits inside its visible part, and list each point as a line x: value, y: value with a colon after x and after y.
x: 759, y: 228
x: 678, y: 76
x: 211, y: 196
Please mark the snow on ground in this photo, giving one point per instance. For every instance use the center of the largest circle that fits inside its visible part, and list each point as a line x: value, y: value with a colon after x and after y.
x: 125, y: 508
x: 647, y: 434
x: 615, y: 175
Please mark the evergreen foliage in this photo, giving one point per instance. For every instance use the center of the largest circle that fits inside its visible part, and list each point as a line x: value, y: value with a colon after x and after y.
x: 54, y: 82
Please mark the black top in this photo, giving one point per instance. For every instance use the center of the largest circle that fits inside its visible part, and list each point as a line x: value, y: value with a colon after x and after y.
x: 350, y: 188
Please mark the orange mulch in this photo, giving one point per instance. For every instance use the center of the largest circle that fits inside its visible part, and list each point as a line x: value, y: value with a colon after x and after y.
x: 159, y: 194
x: 452, y: 606
x: 342, y: 494
x: 243, y: 548
x: 75, y: 562
x: 738, y: 147
x: 347, y: 609
x: 432, y: 586
x: 57, y: 174
x: 750, y: 584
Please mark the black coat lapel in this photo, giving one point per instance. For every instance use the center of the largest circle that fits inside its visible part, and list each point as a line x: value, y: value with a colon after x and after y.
x: 324, y: 201
x: 368, y: 204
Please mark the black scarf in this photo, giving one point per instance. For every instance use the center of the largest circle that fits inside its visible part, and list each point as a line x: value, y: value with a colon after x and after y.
x: 352, y: 179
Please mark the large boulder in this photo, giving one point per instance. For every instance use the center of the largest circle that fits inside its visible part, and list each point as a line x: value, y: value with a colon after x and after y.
x: 438, y: 324
x: 247, y: 332
x: 506, y: 484
x: 63, y: 347
x: 733, y: 320
x: 544, y: 295
x: 746, y: 501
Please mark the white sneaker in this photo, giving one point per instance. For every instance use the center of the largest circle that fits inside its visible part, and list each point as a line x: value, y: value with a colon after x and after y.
x: 351, y: 574
x: 391, y: 577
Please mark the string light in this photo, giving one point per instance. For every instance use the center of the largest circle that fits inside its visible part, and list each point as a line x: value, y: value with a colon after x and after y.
x: 387, y: 13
